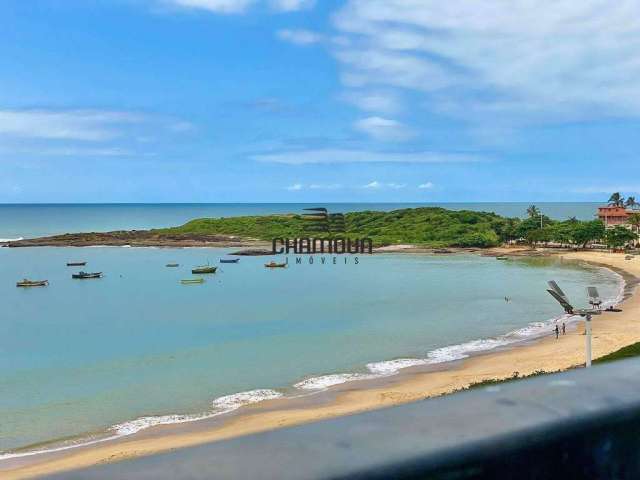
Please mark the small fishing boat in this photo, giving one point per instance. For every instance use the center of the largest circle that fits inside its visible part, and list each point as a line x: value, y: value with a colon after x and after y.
x: 172, y: 265
x: 501, y: 258
x: 192, y: 281
x: 32, y: 283
x: 85, y: 275
x: 204, y: 269
x: 76, y: 264
x: 229, y: 260
x: 275, y: 265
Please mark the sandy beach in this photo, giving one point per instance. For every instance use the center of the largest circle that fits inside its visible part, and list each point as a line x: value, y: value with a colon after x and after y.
x: 611, y: 331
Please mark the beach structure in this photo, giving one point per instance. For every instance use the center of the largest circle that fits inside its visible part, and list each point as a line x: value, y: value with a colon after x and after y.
x: 612, y: 215
x: 594, y: 300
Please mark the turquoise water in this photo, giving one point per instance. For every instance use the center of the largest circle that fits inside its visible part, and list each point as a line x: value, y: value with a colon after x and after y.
x: 30, y: 221
x: 137, y: 348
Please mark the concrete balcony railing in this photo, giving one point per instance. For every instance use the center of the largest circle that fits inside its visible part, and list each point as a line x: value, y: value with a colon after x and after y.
x: 578, y: 424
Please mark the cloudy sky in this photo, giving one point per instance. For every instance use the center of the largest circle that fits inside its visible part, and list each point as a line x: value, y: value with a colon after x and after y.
x: 318, y: 100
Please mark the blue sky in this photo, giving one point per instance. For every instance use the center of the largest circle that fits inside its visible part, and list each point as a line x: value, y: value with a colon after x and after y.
x: 326, y: 100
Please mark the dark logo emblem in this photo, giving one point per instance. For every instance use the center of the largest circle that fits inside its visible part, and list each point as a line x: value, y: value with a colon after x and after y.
x: 327, y: 233
x: 321, y: 221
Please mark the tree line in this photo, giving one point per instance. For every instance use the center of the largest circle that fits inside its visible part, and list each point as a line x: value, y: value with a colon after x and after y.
x: 538, y: 228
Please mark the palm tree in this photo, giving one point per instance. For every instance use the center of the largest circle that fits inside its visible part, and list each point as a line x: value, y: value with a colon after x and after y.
x: 634, y: 221
x: 616, y: 200
x: 533, y: 211
x: 631, y: 203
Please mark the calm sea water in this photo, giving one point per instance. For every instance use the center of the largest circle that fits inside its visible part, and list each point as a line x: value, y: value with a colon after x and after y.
x: 97, y: 358
x: 30, y: 221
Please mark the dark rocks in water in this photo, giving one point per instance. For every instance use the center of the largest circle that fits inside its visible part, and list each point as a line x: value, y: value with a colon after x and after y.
x: 253, y: 252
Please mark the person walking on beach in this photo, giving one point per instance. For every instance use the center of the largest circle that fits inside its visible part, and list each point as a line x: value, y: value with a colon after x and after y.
x: 564, y: 328
x: 557, y: 332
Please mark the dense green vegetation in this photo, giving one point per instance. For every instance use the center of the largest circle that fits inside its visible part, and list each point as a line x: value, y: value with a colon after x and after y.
x: 434, y: 227
x: 494, y: 381
x: 428, y: 226
x: 625, y: 352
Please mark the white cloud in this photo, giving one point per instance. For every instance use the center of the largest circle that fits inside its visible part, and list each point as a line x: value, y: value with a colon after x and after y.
x: 240, y: 6
x: 531, y: 60
x: 71, y: 151
x: 295, y: 187
x: 426, y: 185
x: 299, y: 37
x: 376, y: 185
x: 292, y: 5
x: 333, y: 156
x: 375, y: 101
x: 383, y: 129
x: 216, y: 6
x: 86, y: 125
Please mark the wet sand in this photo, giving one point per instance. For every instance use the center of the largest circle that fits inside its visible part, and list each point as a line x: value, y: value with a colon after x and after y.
x: 611, y: 331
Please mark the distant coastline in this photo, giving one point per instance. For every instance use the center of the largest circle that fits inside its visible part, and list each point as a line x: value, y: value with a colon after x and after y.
x: 422, y: 227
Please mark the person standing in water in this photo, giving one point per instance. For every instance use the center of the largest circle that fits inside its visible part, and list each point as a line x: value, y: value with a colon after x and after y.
x: 564, y: 328
x: 557, y: 332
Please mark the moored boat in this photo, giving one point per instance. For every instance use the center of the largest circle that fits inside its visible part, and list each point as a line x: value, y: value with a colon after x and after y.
x: 204, y: 269
x: 85, y: 275
x: 501, y: 258
x: 76, y: 264
x: 32, y: 283
x: 172, y: 265
x: 192, y: 281
x: 229, y: 260
x: 275, y: 265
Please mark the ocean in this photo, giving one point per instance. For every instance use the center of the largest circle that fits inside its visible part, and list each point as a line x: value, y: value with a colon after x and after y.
x: 84, y: 361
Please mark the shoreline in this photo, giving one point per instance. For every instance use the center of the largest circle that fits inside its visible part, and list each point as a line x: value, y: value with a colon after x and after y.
x: 409, y: 384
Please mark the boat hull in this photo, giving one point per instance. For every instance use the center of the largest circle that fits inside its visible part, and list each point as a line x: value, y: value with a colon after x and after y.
x: 27, y: 283
x: 204, y: 270
x: 86, y: 276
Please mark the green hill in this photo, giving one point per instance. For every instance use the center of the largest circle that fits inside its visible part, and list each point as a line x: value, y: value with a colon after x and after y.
x: 430, y: 227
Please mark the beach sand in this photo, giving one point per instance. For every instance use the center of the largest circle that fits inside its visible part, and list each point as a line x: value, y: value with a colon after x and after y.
x: 611, y: 331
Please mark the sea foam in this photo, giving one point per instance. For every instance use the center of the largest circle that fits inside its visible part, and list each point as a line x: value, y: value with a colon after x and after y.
x: 220, y: 406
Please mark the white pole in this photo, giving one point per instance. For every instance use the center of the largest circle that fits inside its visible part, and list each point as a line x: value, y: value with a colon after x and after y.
x: 587, y: 327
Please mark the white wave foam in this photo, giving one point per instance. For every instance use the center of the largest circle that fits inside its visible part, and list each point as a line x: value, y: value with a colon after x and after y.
x: 391, y: 367
x: 326, y: 381
x: 6, y: 240
x: 229, y: 403
x: 221, y: 405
